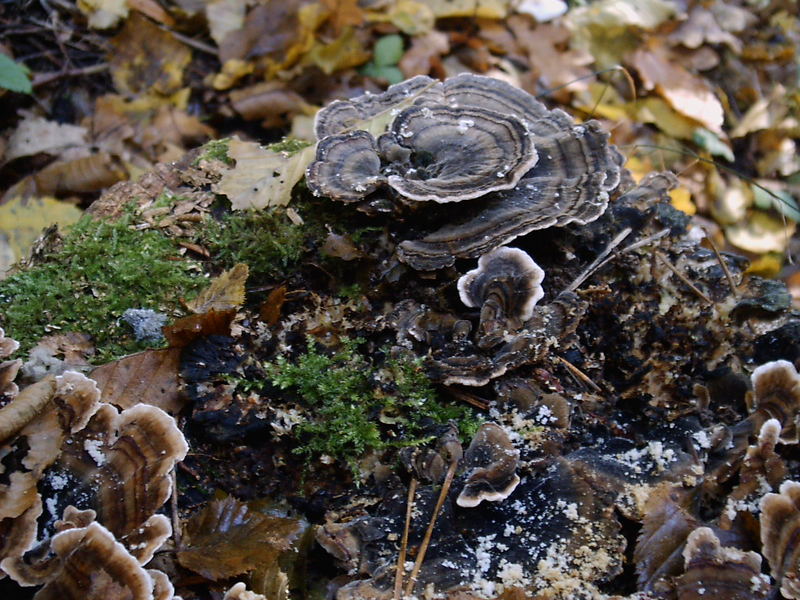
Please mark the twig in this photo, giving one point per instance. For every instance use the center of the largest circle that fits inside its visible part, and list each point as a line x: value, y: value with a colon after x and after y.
x: 579, y: 374
x: 423, y: 549
x: 401, y: 559
x: 176, y: 522
x: 202, y: 47
x: 724, y: 265
x: 596, y: 262
x: 45, y: 78
x: 682, y: 277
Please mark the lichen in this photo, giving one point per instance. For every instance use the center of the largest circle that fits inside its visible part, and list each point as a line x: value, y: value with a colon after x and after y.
x: 289, y: 145
x: 101, y: 270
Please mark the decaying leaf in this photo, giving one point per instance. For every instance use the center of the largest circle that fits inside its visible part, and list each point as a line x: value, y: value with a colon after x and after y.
x: 760, y: 233
x: 147, y: 58
x: 36, y: 134
x: 262, y: 177
x: 103, y: 14
x: 225, y: 292
x: 22, y: 221
x: 687, y: 93
x: 149, y: 377
x: 270, y: 310
x: 184, y: 331
x: 226, y: 538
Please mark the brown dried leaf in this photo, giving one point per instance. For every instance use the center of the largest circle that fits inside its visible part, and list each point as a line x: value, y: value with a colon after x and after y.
x: 344, y: 13
x: 35, y: 134
x: 224, y: 293
x: 145, y: 58
x: 184, y: 331
x: 149, y: 377
x: 270, y: 310
x: 227, y: 539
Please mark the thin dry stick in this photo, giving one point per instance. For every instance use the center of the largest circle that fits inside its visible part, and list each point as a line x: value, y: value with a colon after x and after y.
x: 401, y: 560
x: 590, y: 269
x: 579, y: 374
x: 682, y: 277
x: 451, y: 471
x: 723, y: 264
x: 176, y: 523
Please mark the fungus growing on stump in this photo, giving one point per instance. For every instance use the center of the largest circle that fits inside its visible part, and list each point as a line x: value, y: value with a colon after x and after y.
x: 468, y: 138
x: 491, y: 461
x: 506, y: 286
x: 780, y: 525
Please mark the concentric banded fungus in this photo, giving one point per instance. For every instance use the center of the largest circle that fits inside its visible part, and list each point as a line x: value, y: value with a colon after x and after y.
x: 576, y: 171
x: 715, y: 571
x: 347, y: 167
x: 491, y: 463
x: 466, y: 138
x: 506, y: 286
x: 453, y: 154
x: 776, y: 394
x: 780, y: 526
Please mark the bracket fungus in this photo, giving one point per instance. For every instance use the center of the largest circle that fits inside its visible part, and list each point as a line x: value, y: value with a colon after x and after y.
x: 506, y: 286
x: 470, y: 137
x: 717, y: 571
x: 780, y: 523
x: 776, y: 394
x: 491, y: 461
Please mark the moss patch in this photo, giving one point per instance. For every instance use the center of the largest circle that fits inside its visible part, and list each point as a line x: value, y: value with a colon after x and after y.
x: 102, y: 270
x: 357, y: 406
x: 265, y: 240
x: 215, y: 150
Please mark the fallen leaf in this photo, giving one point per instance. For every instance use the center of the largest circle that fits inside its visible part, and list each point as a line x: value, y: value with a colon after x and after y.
x: 147, y: 58
x: 149, y: 377
x: 688, y: 94
x: 542, y: 10
x: 232, y: 71
x: 224, y: 293
x: 23, y: 219
x: 270, y: 101
x: 700, y: 28
x: 224, y: 17
x: 262, y: 177
x: 103, y: 14
x: 476, y: 9
x: 681, y: 198
x: 665, y: 117
x: 768, y: 266
x: 423, y: 51
x: 226, y: 538
x: 555, y: 65
x: 608, y: 29
x: 345, y: 51
x: 709, y: 141
x: 270, y: 309
x: 89, y: 174
x: 761, y: 232
x: 343, y: 14
x: 187, y: 329
x: 35, y: 134
x: 771, y: 195
x: 409, y: 16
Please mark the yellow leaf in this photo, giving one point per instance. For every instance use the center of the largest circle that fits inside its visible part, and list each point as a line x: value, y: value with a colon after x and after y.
x: 410, y: 17
x: 681, y: 198
x: 262, y: 177
x: 638, y: 167
x: 224, y: 293
x: 768, y: 265
x: 22, y: 221
x: 657, y: 111
x: 478, y: 9
x: 344, y: 52
x: 232, y: 71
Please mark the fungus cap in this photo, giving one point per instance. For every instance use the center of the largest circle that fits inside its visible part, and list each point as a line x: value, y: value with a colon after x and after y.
x: 492, y: 462
x: 347, y: 167
x: 506, y: 285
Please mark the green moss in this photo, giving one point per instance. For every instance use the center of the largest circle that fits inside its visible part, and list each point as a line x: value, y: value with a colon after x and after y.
x: 215, y: 150
x: 102, y: 270
x: 353, y: 412
x: 289, y: 145
x: 265, y: 240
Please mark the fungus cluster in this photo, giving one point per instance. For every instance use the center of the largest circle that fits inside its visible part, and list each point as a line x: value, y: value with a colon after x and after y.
x: 470, y: 137
x: 81, y: 484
